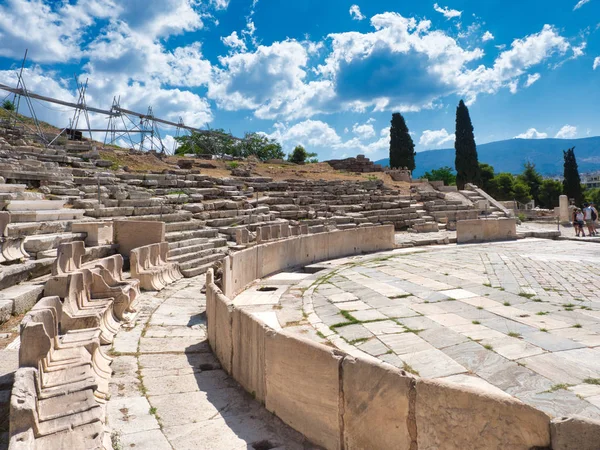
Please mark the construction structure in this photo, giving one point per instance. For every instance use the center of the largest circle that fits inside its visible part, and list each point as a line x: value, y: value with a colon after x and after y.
x: 122, y: 123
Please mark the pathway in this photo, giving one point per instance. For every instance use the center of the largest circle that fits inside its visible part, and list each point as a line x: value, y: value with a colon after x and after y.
x: 169, y: 392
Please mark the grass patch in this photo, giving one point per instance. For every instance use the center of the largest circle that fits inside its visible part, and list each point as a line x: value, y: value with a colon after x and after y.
x: 399, y: 296
x: 506, y: 303
x: 514, y: 334
x: 412, y: 330
x: 488, y: 347
x: 358, y: 341
x: 558, y: 387
x: 153, y: 410
x: 537, y: 300
x: 526, y: 295
x: 408, y: 368
x: 543, y: 330
x: 476, y: 322
x: 321, y: 335
x: 487, y: 284
x: 577, y: 325
x: 569, y: 305
x: 542, y: 313
x: 480, y: 307
x: 595, y: 381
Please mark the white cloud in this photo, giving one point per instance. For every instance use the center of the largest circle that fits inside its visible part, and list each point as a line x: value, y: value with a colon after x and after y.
x: 234, y: 41
x: 314, y: 133
x: 596, y: 63
x: 448, y: 13
x: 365, y: 130
x: 513, y: 86
x: 436, y: 138
x: 580, y: 3
x: 487, y: 36
x: 532, y: 133
x: 532, y: 78
x: 355, y: 13
x: 566, y: 132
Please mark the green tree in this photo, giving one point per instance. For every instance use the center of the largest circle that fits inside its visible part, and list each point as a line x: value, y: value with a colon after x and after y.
x: 501, y: 186
x: 571, y: 180
x: 8, y: 105
x: 213, y: 142
x: 259, y: 145
x: 533, y: 179
x: 402, y: 148
x: 549, y: 192
x: 301, y: 156
x: 486, y: 174
x: 592, y: 195
x: 445, y: 174
x: 465, y: 163
x: 521, y: 191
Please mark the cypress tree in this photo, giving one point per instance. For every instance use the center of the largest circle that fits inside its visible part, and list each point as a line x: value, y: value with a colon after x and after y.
x: 572, y: 181
x: 466, y: 163
x: 402, y: 148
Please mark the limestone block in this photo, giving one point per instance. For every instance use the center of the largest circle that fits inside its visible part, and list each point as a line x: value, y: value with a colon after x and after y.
x: 456, y: 417
x: 223, y: 318
x: 248, y: 359
x: 69, y: 256
x: 98, y: 233
x: 563, y: 207
x: 22, y: 296
x: 285, y: 230
x: 130, y: 234
x: 480, y: 230
x: 303, y: 229
x: 575, y: 433
x: 376, y: 397
x: 12, y: 249
x: 303, y: 386
x: 275, y: 231
x: 211, y: 295
x: 241, y: 236
x: 4, y: 221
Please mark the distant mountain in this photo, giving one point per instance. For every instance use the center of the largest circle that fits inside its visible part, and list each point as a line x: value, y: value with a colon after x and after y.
x: 510, y: 155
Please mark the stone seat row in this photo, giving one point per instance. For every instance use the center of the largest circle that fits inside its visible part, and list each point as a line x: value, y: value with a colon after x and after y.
x: 149, y: 265
x: 61, y: 384
x: 11, y: 248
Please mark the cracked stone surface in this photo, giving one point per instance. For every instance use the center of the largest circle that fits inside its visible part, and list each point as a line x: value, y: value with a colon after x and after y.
x: 520, y: 317
x: 168, y: 391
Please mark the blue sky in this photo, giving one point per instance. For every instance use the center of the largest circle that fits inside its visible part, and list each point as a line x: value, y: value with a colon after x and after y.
x: 325, y: 74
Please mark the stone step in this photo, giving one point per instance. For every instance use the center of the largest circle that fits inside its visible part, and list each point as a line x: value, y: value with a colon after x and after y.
x: 195, y: 255
x: 197, y: 270
x: 177, y: 251
x: 4, y: 188
x: 187, y: 235
x: 46, y: 216
x: 35, y: 205
x: 183, y: 226
x: 190, y: 267
x: 42, y: 242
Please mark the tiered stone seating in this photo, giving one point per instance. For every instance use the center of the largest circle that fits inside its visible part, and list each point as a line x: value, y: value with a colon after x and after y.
x: 60, y: 386
x: 11, y: 248
x: 149, y: 265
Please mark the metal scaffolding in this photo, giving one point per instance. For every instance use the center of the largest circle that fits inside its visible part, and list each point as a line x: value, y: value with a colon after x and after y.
x: 122, y: 122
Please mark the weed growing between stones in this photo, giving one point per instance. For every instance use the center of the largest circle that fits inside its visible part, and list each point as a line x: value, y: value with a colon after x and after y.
x: 595, y: 381
x: 526, y: 295
x: 358, y: 341
x: 543, y: 330
x: 542, y: 313
x: 321, y: 335
x: 558, y: 387
x: 488, y: 347
x: 577, y: 325
x: 408, y: 368
x: 514, y: 334
x: 476, y: 322
x: 506, y: 303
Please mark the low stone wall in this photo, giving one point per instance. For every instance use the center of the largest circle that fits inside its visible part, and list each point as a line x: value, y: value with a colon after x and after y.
x: 482, y: 230
x: 341, y: 402
x: 243, y: 267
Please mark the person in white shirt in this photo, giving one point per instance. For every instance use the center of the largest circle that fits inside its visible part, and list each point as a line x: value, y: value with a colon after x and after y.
x: 588, y: 213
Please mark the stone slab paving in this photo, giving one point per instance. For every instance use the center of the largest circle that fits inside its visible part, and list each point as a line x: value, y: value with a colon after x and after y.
x: 169, y: 392
x: 521, y: 317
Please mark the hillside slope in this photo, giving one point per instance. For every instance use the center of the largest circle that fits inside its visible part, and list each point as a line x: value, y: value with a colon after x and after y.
x: 511, y: 154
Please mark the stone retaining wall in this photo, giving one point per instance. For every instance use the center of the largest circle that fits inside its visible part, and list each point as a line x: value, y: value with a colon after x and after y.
x: 243, y: 267
x: 342, y: 402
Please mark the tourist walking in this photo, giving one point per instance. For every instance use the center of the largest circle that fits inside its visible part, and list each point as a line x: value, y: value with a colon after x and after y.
x: 578, y: 222
x: 594, y: 218
x: 588, y: 216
